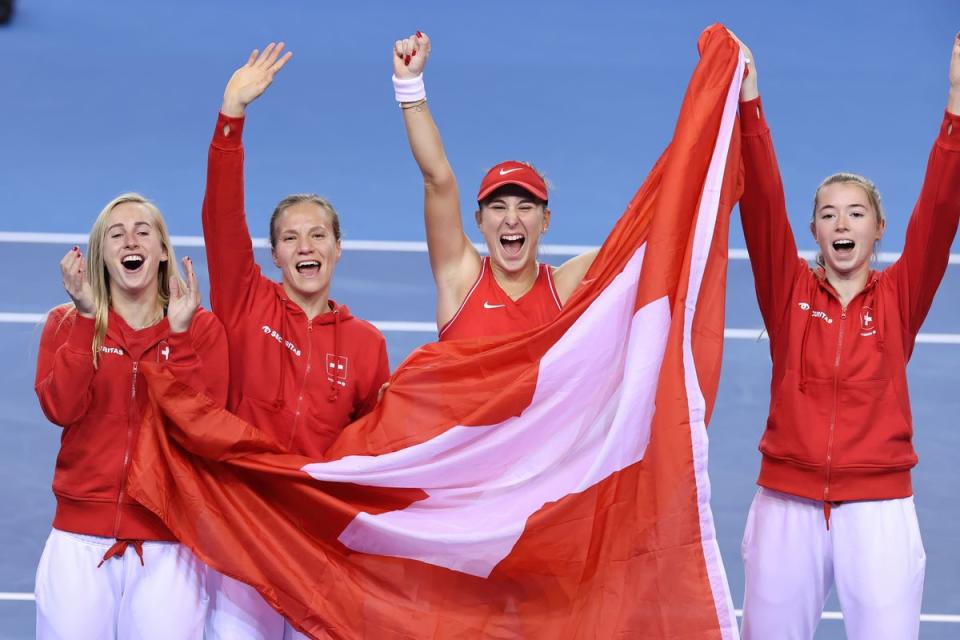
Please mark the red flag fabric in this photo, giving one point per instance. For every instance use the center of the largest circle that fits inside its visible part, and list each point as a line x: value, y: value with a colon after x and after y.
x: 550, y: 484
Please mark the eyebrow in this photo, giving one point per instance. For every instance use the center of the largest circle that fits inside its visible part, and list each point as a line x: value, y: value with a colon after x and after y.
x: 830, y: 206
x: 135, y: 224
x: 320, y: 227
x: 522, y: 199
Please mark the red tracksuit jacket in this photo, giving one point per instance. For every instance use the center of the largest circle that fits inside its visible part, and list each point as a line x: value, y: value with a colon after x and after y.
x: 100, y: 410
x: 840, y: 426
x: 299, y: 380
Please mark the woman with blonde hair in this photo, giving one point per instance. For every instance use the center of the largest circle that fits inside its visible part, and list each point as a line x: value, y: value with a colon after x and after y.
x: 129, y: 306
x: 835, y: 505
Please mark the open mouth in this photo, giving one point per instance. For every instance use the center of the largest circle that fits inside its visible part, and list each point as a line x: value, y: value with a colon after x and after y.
x: 132, y: 262
x: 843, y: 246
x: 308, y: 267
x: 512, y: 243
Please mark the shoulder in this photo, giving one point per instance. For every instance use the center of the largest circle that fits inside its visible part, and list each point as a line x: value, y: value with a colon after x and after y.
x: 363, y: 328
x: 59, y: 321
x: 807, y: 270
x: 263, y: 296
x: 62, y: 314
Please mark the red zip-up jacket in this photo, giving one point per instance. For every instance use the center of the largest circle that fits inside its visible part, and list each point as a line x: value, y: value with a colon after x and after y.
x: 299, y: 380
x: 840, y: 426
x: 101, y: 409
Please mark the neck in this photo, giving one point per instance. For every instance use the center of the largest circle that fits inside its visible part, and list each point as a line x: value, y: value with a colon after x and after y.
x: 848, y: 285
x: 515, y: 283
x: 139, y: 309
x: 312, y: 305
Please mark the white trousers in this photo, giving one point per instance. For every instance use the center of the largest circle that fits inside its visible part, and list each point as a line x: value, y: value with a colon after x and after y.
x: 872, y: 553
x: 237, y: 610
x: 164, y: 598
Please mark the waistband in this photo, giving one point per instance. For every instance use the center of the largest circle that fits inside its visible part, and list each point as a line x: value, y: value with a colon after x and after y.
x: 94, y: 518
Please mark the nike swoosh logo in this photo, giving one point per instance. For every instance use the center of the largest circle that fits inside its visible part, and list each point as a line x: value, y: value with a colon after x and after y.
x: 487, y: 305
x: 504, y: 172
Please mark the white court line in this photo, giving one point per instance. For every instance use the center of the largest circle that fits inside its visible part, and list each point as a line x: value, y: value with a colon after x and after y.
x: 10, y: 596
x: 761, y: 334
x: 22, y: 318
x: 398, y: 246
x: 430, y: 327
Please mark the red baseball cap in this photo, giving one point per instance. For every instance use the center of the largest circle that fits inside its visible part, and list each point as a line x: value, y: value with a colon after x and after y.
x: 513, y: 172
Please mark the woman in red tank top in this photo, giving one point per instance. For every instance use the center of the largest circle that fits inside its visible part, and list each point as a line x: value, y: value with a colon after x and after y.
x: 509, y: 290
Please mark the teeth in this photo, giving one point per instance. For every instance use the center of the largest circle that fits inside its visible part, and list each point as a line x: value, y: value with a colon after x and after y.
x: 308, y: 263
x: 843, y: 244
x: 511, y: 238
x: 132, y: 262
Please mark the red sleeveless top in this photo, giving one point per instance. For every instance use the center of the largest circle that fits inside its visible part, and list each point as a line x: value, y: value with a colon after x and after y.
x: 488, y: 311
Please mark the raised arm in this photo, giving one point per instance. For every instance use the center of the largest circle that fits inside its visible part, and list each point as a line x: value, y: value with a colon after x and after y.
x: 933, y: 224
x: 453, y: 259
x: 250, y: 81
x: 233, y: 270
x: 763, y: 209
x: 953, y: 97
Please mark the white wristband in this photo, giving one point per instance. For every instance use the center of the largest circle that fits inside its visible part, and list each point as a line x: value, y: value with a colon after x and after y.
x: 409, y: 89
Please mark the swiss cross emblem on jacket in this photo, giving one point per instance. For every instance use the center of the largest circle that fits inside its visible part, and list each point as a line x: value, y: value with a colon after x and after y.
x: 337, y: 369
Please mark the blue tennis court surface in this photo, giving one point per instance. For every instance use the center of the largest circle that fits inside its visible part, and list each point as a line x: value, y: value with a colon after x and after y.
x: 99, y: 98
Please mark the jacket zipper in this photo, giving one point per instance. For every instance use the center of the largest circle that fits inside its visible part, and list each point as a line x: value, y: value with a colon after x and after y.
x: 126, y: 450
x: 303, y: 386
x: 836, y: 403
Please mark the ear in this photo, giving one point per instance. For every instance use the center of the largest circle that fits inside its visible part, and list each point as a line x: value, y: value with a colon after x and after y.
x: 546, y: 219
x: 339, y: 252
x: 273, y: 254
x: 813, y: 229
x: 881, y: 227
x: 164, y: 256
x: 477, y: 217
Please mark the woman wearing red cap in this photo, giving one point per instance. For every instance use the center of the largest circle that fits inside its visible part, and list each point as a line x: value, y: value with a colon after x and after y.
x: 481, y: 296
x: 835, y: 505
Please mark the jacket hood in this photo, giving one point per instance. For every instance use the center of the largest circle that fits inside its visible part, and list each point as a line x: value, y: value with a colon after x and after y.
x: 136, y: 341
x: 327, y: 317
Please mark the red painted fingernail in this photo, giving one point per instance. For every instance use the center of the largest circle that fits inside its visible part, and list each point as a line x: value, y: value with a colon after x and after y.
x: 414, y: 52
x: 419, y: 35
x: 76, y: 248
x: 406, y: 60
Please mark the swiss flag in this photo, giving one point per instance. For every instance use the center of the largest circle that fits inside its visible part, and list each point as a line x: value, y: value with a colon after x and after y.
x: 551, y: 484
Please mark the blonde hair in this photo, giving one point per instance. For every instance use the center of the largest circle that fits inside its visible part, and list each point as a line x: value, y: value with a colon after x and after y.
x: 873, y: 195
x: 99, y: 278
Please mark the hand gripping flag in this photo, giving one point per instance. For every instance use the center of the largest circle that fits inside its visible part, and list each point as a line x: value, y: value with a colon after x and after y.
x: 551, y: 484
